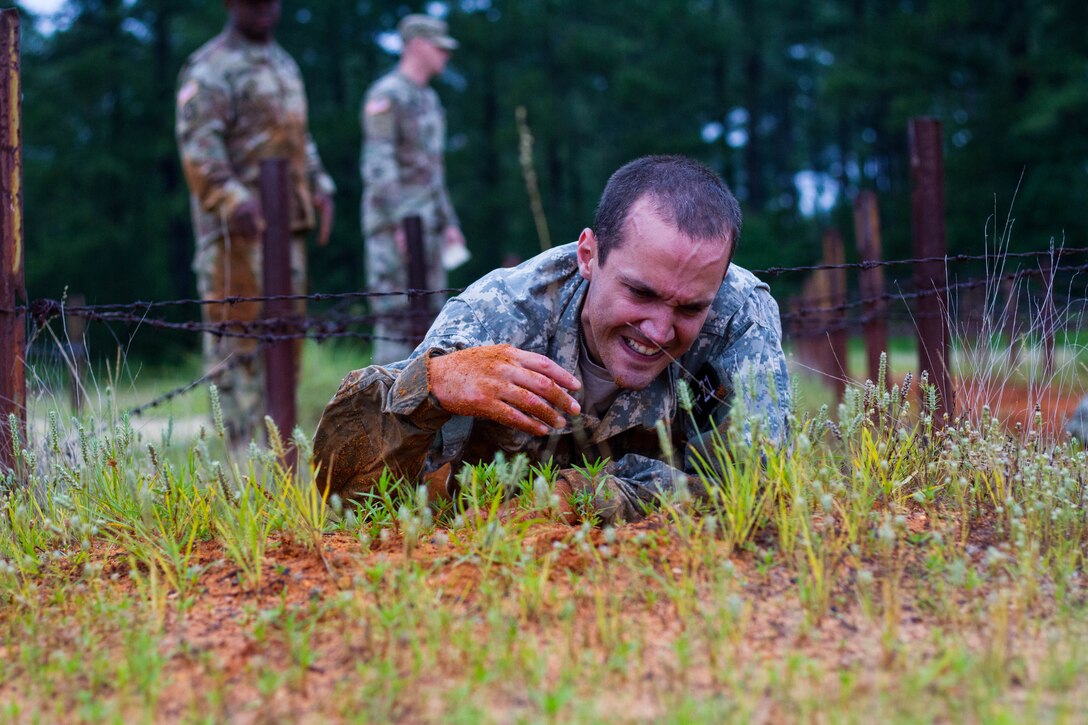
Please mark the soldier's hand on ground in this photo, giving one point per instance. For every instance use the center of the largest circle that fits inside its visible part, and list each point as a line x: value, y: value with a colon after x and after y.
x: 507, y: 511
x: 247, y: 219
x: 520, y: 389
x: 325, y: 209
x: 564, y: 492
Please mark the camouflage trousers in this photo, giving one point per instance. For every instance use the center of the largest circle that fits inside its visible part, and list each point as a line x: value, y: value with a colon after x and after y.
x: 233, y: 268
x: 387, y: 271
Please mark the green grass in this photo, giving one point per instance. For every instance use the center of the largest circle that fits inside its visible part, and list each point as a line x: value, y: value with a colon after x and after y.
x: 110, y: 393
x: 880, y: 568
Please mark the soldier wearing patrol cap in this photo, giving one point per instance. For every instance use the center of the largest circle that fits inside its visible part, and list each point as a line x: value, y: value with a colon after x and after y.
x: 577, y: 355
x: 404, y: 140
x: 240, y: 100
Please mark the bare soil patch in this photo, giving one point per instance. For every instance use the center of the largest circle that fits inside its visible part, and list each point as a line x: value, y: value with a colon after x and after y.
x: 220, y: 641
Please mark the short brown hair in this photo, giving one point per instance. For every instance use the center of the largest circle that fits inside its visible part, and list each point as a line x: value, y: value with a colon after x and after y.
x: 683, y: 191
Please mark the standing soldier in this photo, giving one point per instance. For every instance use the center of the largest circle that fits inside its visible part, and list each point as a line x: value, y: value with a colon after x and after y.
x: 404, y: 138
x: 240, y: 100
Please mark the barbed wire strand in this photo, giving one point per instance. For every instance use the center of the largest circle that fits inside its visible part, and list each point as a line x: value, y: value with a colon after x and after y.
x: 330, y: 325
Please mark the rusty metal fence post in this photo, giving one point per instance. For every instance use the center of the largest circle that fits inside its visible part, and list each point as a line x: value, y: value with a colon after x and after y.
x: 871, y: 280
x: 281, y: 356
x: 418, y: 303
x: 928, y: 232
x: 12, y: 289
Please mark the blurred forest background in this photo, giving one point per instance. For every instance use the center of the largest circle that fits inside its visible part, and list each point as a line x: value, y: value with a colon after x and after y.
x: 797, y: 104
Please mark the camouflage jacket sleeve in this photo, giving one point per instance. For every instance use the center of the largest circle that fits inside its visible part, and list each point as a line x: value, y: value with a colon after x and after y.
x: 380, y: 417
x: 626, y: 489
x: 385, y: 416
x: 381, y: 177
x: 749, y: 403
x: 320, y: 181
x: 203, y: 110
x: 755, y: 380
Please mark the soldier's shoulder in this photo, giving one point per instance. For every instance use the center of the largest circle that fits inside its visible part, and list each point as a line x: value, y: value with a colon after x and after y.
x: 392, y: 85
x: 741, y: 288
x: 284, y: 59
x: 211, y: 60
x: 213, y: 50
x: 740, y: 281
x: 532, y: 290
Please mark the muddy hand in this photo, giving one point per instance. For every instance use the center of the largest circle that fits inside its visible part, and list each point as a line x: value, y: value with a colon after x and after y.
x: 519, y: 389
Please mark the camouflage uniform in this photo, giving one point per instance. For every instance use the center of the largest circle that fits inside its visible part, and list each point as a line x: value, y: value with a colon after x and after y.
x: 239, y: 102
x: 385, y: 416
x: 404, y: 132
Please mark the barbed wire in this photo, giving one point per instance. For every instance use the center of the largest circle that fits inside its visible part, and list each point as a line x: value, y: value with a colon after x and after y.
x: 46, y: 308
x: 322, y: 327
x: 297, y: 327
x: 948, y: 258
x: 810, y: 311
x: 333, y: 325
x: 222, y: 367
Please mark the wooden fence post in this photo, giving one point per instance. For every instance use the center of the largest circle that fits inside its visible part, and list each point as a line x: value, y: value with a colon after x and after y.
x: 12, y: 289
x: 871, y: 281
x: 281, y: 356
x: 929, y: 236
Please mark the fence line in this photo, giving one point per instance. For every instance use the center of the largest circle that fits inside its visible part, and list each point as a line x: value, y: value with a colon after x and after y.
x: 321, y: 327
x: 824, y: 310
x: 47, y: 307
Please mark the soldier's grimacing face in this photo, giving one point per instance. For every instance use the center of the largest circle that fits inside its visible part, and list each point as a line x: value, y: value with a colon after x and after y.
x: 255, y: 19
x: 647, y: 303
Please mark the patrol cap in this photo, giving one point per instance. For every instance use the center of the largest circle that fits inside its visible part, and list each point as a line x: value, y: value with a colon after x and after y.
x: 428, y: 28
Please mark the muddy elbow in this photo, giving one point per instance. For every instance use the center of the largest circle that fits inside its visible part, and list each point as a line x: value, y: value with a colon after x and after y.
x: 336, y: 465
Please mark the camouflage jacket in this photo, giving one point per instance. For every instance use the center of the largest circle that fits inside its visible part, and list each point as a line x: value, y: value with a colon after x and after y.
x: 237, y: 103
x: 384, y: 416
x: 404, y: 139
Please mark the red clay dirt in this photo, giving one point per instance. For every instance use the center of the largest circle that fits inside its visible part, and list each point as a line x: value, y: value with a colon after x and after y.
x: 1015, y: 404
x: 214, y: 639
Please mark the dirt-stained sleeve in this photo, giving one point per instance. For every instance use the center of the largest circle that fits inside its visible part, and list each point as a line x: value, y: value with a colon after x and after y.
x: 628, y: 488
x: 382, y: 416
x: 753, y: 374
x: 203, y: 110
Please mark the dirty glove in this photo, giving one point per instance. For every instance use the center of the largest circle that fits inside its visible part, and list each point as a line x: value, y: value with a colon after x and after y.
x: 601, y: 499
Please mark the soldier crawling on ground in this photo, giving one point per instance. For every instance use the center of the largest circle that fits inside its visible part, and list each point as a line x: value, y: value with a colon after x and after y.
x: 240, y: 100
x: 576, y: 354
